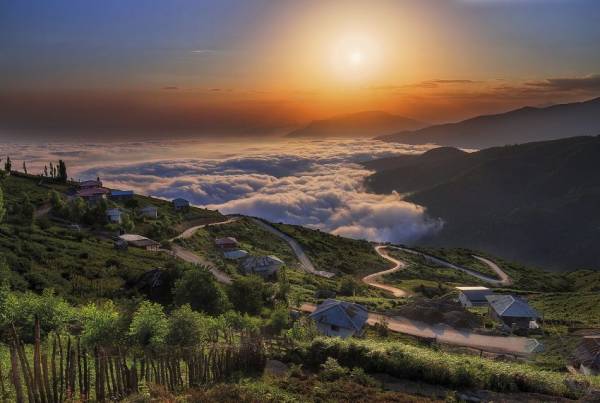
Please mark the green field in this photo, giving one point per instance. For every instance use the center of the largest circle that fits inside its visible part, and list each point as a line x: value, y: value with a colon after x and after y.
x: 335, y: 253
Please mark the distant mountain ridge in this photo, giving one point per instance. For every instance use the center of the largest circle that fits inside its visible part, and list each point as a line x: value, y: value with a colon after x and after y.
x: 515, y: 127
x: 362, y: 124
x: 535, y: 202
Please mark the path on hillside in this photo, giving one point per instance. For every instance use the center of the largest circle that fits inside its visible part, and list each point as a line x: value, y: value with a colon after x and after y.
x: 191, y: 257
x: 371, y: 279
x: 503, y: 280
x: 448, y: 335
x: 188, y: 233
x: 298, y: 251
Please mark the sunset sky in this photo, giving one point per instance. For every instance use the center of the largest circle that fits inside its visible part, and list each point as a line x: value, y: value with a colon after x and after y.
x: 253, y: 66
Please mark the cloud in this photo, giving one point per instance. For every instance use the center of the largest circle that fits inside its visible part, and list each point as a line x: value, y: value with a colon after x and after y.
x: 587, y: 83
x: 314, y: 183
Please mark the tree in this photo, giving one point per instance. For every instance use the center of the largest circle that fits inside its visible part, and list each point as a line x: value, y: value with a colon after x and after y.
x: 149, y: 326
x: 57, y: 202
x: 46, y: 171
x: 198, y: 288
x: 27, y: 209
x: 8, y: 165
x: 279, y: 320
x: 77, y: 209
x: 53, y: 312
x: 185, y: 327
x: 101, y: 325
x: 62, y: 171
x: 349, y: 286
x: 132, y: 204
x: 4, y: 295
x: 2, y: 208
x: 127, y: 223
x: 247, y: 294
x: 283, y: 285
x: 24, y: 168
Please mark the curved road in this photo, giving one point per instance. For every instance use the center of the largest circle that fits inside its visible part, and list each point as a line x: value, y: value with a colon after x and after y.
x: 445, y: 334
x: 371, y: 279
x: 188, y: 233
x: 504, y: 278
x: 305, y: 262
x: 191, y: 257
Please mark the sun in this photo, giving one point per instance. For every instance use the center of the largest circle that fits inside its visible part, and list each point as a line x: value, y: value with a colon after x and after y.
x: 356, y: 57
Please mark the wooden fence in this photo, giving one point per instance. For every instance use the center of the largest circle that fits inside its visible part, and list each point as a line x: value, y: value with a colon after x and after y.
x: 62, y: 369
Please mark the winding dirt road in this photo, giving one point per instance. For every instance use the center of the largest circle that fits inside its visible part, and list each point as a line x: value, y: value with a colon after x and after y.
x: 191, y: 257
x: 504, y: 278
x: 521, y: 346
x: 371, y: 279
x: 301, y: 255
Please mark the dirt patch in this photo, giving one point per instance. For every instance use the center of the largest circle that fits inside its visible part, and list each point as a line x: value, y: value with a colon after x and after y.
x: 436, y: 311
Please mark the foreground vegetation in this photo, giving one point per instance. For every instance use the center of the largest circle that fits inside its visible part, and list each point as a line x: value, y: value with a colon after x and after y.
x: 438, y: 367
x: 80, y: 319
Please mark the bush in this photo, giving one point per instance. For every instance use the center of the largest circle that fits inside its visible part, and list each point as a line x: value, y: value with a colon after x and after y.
x: 437, y: 367
x: 198, y: 288
x: 331, y: 370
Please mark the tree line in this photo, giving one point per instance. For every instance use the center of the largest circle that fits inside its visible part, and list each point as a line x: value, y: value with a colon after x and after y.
x: 56, y: 171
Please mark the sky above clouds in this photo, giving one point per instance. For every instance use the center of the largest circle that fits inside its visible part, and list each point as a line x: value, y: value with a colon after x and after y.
x: 82, y: 70
x: 313, y: 183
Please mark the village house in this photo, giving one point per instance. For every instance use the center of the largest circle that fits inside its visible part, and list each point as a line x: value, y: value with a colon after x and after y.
x: 264, y: 266
x: 235, y: 254
x: 512, y: 312
x: 340, y: 318
x: 113, y: 215
x: 180, y: 204
x: 92, y: 194
x: 91, y: 184
x: 226, y: 243
x: 586, y: 356
x: 473, y: 296
x: 150, y: 212
x: 140, y: 241
x: 121, y: 194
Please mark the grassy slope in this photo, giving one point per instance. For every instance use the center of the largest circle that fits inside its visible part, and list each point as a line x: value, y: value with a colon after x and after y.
x: 252, y: 238
x: 76, y: 265
x: 335, y: 253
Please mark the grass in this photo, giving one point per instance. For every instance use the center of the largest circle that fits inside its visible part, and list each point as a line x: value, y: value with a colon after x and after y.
x: 461, y: 257
x: 335, y: 253
x: 442, y: 368
x: 76, y: 265
x: 580, y: 308
x: 253, y: 238
x: 15, y: 186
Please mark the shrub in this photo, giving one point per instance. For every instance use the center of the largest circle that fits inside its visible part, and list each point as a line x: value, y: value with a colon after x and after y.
x: 437, y: 367
x: 331, y: 370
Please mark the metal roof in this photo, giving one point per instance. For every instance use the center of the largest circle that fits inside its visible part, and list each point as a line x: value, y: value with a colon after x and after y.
x: 511, y: 306
x: 341, y: 313
x: 475, y: 293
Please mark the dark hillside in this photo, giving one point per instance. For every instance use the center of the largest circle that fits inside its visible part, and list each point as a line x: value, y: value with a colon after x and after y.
x: 535, y: 202
x: 514, y: 127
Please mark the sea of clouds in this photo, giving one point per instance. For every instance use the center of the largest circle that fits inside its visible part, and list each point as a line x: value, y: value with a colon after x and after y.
x: 314, y: 183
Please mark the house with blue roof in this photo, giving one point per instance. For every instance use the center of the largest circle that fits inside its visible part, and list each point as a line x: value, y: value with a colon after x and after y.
x: 340, y: 318
x: 121, y: 194
x: 513, y: 312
